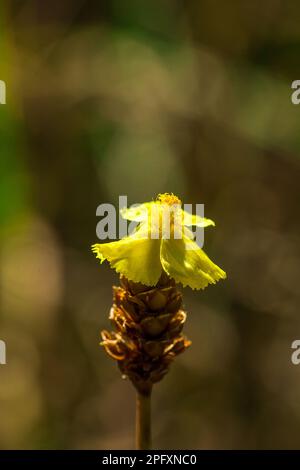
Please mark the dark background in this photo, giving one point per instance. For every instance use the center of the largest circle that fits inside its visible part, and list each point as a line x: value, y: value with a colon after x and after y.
x: 141, y: 97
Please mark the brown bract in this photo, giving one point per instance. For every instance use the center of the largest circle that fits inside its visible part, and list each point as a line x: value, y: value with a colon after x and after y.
x: 148, y: 323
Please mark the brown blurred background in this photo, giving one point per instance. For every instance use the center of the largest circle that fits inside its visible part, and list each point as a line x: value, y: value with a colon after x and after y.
x: 138, y: 97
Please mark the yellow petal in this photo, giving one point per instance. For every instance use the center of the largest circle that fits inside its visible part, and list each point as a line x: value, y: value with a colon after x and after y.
x: 185, y: 262
x: 138, y: 213
x: 190, y: 220
x: 137, y: 257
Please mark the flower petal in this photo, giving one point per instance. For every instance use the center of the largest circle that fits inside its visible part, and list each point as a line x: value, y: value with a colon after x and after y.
x: 137, y: 257
x: 185, y: 262
x: 138, y: 213
x: 191, y: 219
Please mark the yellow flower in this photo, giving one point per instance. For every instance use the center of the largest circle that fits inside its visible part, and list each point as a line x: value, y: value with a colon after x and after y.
x: 161, y: 242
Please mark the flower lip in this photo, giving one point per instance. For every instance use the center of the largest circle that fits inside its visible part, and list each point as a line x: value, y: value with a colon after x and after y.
x: 168, y: 198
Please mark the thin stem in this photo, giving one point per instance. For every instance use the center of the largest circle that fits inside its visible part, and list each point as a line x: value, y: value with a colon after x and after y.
x: 143, y: 421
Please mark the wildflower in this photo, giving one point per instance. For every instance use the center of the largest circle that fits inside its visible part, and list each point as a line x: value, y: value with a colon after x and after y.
x: 161, y: 243
x: 147, y: 311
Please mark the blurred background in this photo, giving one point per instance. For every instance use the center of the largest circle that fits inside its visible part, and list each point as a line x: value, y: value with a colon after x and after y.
x: 139, y: 97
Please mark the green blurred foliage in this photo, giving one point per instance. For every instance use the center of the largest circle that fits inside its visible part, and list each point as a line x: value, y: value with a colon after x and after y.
x: 140, y: 97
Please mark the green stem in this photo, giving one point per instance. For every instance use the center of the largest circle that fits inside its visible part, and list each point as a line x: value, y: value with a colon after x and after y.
x: 143, y: 421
